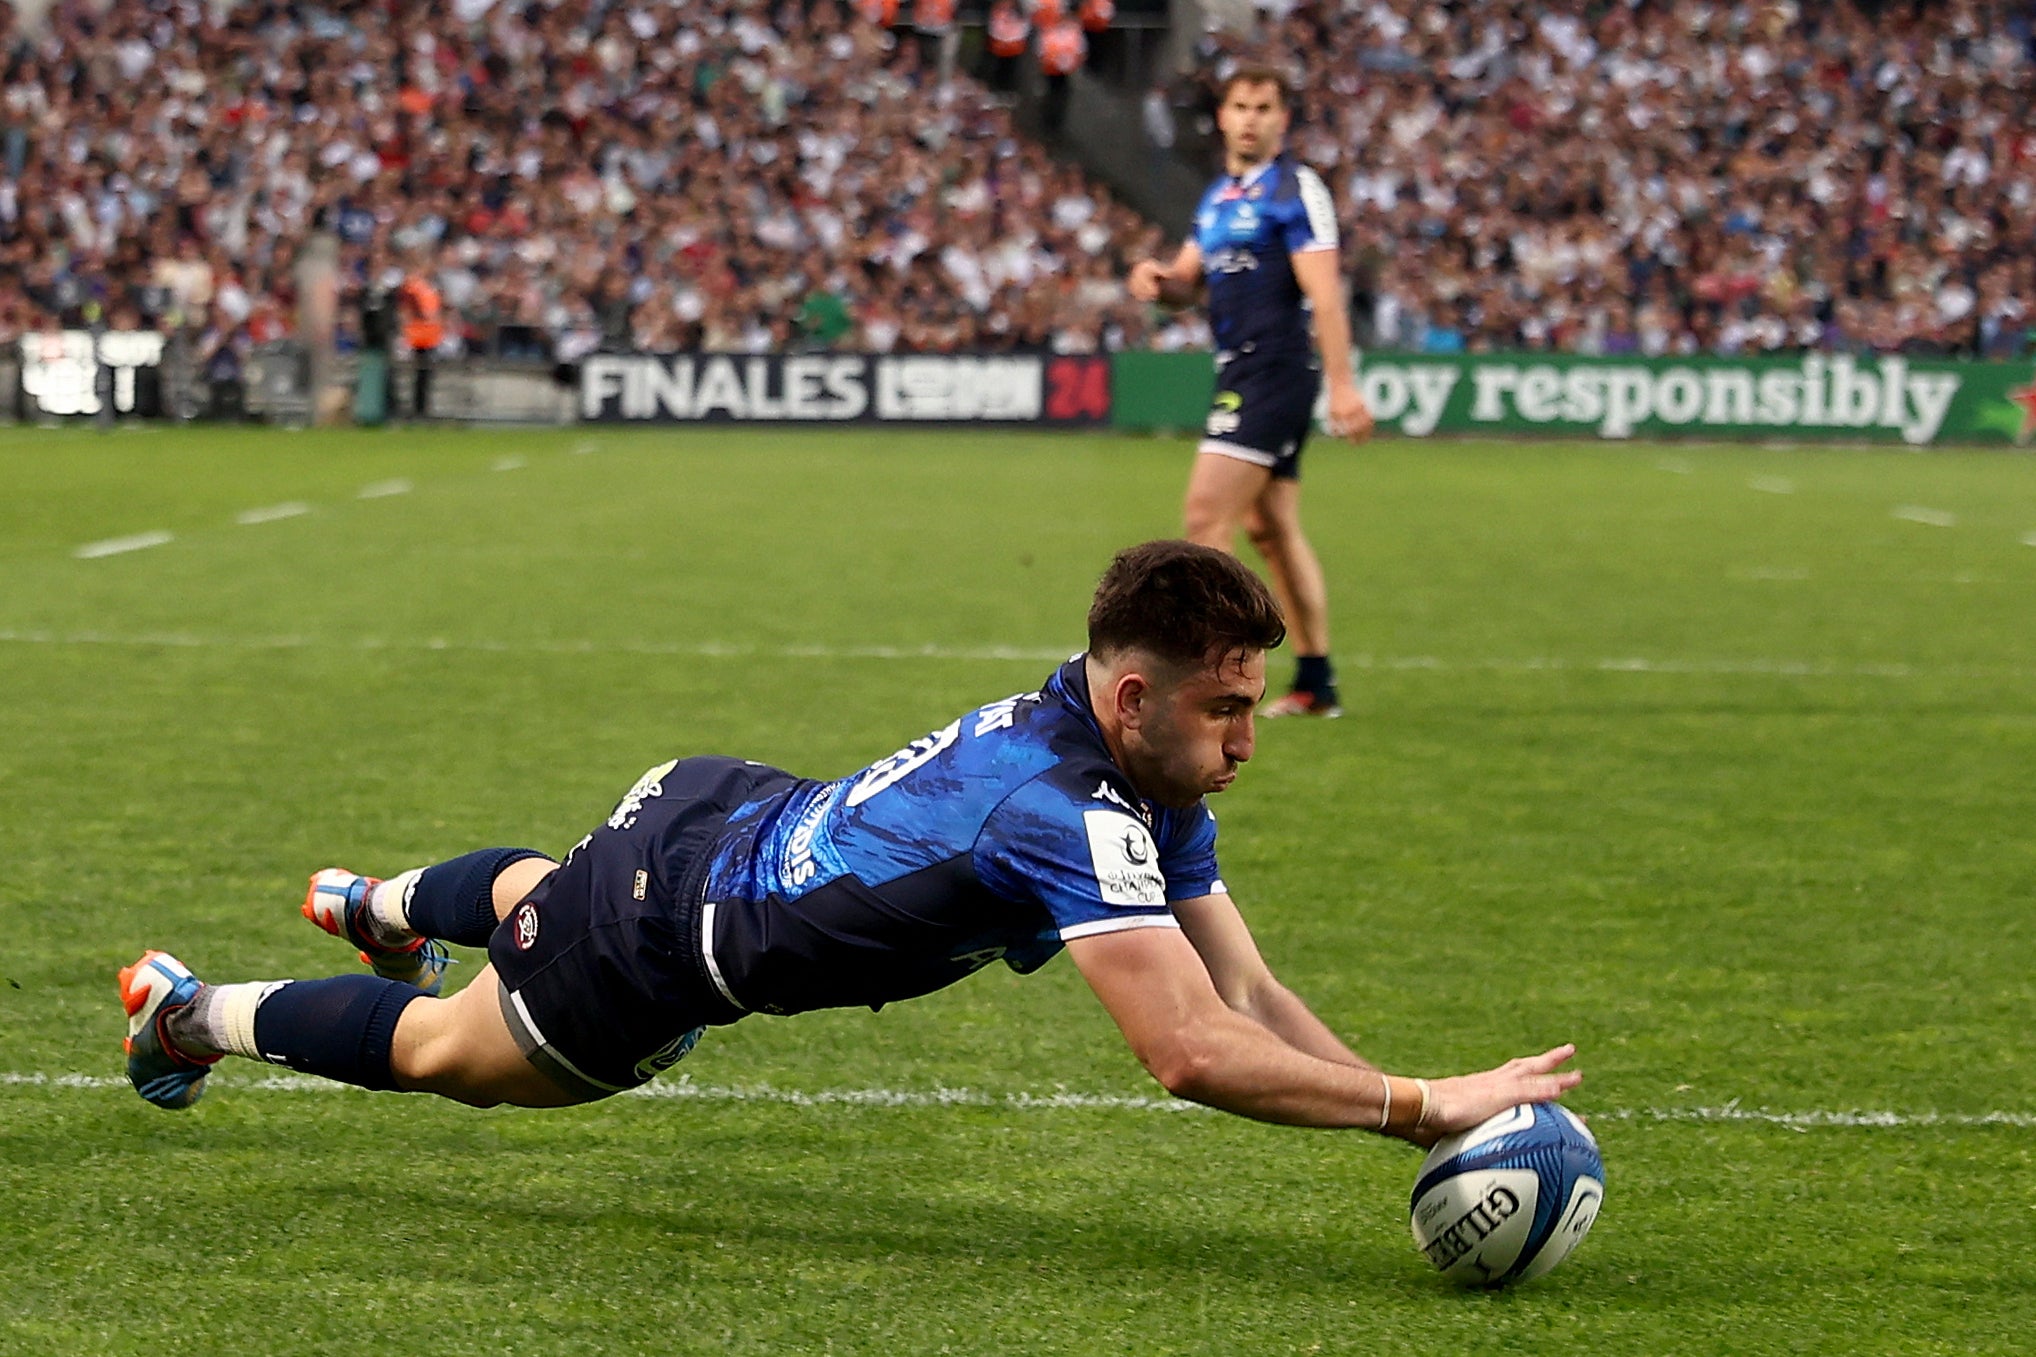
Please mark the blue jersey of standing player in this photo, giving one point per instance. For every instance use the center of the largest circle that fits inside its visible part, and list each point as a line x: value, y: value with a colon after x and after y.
x: 1248, y: 229
x: 1000, y: 836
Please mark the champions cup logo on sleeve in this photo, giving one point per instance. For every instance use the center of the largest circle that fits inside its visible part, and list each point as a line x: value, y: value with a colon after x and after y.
x: 1125, y: 858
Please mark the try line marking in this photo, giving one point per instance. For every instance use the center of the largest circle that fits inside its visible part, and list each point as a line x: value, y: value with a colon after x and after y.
x: 1531, y: 664
x: 686, y: 1090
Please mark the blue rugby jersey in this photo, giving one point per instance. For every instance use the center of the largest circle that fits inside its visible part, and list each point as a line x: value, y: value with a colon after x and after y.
x: 1000, y: 836
x: 1248, y: 230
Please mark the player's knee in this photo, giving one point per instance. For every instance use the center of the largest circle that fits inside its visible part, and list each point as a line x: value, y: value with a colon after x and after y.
x: 434, y: 1052
x: 1209, y: 522
x: 442, y: 1065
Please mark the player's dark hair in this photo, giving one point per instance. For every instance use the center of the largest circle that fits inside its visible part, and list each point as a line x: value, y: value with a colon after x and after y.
x: 1257, y: 73
x: 1188, y: 605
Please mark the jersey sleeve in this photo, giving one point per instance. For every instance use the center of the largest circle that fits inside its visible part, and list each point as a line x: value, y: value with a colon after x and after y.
x: 1092, y: 865
x: 1187, y: 854
x: 1311, y: 219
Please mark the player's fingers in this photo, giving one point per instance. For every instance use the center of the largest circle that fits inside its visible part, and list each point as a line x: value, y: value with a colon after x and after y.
x: 1547, y: 1061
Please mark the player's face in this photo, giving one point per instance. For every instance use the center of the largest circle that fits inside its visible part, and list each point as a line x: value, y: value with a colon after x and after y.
x: 1253, y: 121
x: 1199, y: 730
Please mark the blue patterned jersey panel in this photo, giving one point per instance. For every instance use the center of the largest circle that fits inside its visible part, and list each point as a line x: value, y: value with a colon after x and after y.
x: 996, y: 837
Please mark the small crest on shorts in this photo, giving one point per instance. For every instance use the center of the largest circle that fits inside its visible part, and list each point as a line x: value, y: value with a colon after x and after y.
x: 526, y: 926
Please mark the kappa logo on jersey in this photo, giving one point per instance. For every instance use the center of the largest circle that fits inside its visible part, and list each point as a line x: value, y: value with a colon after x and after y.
x: 1125, y: 858
x: 649, y: 785
x: 1105, y: 792
x: 891, y: 771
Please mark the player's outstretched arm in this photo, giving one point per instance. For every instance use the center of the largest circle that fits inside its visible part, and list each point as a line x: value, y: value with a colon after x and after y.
x: 1154, y: 985
x: 1224, y: 942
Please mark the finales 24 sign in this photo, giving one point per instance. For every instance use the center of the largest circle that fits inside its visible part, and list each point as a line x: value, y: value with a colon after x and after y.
x: 846, y: 388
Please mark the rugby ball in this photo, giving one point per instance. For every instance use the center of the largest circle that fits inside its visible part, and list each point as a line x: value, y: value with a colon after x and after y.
x: 1510, y: 1198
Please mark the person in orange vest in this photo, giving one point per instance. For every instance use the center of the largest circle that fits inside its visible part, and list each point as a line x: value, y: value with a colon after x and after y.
x: 882, y: 13
x: 1007, y: 34
x: 423, y: 312
x: 1105, y: 42
x: 938, y: 37
x: 1061, y: 50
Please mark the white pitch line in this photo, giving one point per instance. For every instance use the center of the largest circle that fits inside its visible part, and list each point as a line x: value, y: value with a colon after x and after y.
x: 686, y: 1090
x: 509, y: 464
x: 1931, y: 518
x: 2029, y: 538
x: 273, y: 513
x: 1676, y: 466
x: 115, y: 546
x: 1772, y: 485
x: 384, y: 489
x: 1532, y: 664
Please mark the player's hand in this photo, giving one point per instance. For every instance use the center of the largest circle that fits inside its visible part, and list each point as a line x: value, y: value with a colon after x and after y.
x: 1461, y: 1103
x: 1349, y: 416
x: 1145, y: 280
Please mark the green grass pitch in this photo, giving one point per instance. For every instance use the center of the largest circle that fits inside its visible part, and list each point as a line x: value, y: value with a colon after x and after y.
x: 1714, y: 760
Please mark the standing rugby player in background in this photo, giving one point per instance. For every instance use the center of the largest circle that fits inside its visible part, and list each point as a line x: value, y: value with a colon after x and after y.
x: 1265, y: 245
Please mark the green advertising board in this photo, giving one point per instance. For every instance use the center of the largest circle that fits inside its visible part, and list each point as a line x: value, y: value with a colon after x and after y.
x: 1874, y: 397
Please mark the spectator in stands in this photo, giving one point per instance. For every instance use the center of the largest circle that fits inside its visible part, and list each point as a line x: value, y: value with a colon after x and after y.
x: 1062, y: 49
x: 1007, y: 34
x: 422, y: 313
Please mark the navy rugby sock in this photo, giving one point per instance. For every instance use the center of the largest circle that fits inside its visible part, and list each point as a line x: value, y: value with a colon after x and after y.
x: 1312, y: 674
x: 342, y: 1028
x: 455, y: 900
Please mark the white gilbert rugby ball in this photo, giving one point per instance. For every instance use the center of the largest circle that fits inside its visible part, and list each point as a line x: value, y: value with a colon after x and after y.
x: 1508, y: 1199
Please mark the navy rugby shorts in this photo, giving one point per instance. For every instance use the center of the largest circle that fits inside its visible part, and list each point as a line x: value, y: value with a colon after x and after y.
x: 1263, y: 411
x: 603, y: 982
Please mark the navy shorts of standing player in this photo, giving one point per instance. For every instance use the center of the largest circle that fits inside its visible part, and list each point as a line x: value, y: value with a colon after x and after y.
x: 1264, y: 252
x: 1071, y: 818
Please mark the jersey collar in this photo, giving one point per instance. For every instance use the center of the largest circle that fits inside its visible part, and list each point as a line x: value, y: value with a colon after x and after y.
x: 1070, y: 686
x: 1246, y: 181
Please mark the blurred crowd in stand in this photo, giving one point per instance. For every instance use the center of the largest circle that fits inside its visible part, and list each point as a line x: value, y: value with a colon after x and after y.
x: 1597, y: 176
x: 559, y: 178
x: 1682, y: 176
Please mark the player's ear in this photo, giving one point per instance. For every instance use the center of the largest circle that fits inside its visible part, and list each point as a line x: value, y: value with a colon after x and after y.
x: 1130, y: 695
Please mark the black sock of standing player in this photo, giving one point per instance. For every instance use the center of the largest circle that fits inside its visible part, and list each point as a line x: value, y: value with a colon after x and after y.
x: 1313, y: 674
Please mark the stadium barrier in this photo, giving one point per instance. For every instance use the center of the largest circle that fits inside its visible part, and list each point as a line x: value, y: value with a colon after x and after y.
x: 1835, y: 397
x: 1853, y: 398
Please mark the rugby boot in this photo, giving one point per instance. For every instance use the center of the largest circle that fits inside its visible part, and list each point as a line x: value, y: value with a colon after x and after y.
x: 154, y: 987
x: 1302, y: 702
x: 337, y: 902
